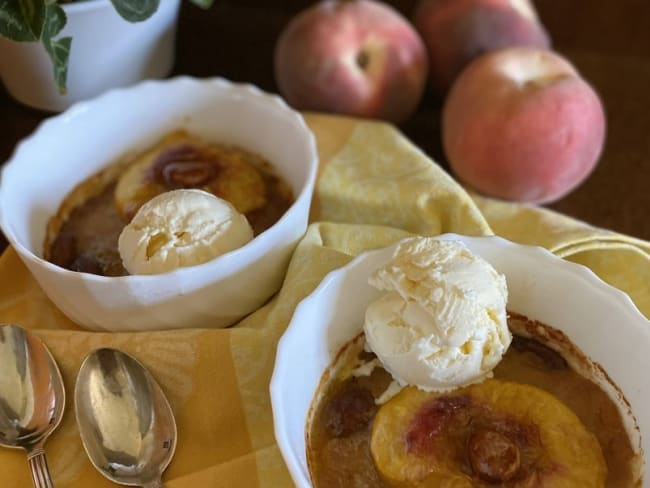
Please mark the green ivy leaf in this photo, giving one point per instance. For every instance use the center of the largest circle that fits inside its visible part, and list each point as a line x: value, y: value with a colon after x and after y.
x: 135, y: 10
x: 205, y: 4
x: 55, y: 20
x: 58, y: 49
x: 34, y: 15
x: 14, y: 25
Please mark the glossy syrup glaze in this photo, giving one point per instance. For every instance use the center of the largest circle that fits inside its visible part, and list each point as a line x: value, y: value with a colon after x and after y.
x: 339, y: 452
x: 87, y: 235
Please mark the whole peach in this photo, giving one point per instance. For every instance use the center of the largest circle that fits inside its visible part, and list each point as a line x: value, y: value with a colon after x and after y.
x: 521, y: 124
x: 457, y: 31
x: 356, y: 57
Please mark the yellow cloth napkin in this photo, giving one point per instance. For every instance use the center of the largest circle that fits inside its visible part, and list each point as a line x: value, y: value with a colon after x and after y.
x: 374, y: 187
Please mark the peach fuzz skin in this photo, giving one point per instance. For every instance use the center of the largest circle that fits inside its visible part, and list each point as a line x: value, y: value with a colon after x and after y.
x: 356, y: 57
x: 520, y: 124
x: 457, y: 31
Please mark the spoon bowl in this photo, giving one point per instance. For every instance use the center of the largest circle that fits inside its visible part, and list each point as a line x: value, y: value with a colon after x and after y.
x: 32, y: 397
x: 126, y: 424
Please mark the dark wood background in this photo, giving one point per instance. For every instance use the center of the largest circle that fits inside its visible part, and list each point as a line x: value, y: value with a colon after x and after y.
x: 608, y: 41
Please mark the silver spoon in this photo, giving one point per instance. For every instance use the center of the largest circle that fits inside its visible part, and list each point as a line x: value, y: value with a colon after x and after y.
x: 32, y: 397
x: 126, y: 424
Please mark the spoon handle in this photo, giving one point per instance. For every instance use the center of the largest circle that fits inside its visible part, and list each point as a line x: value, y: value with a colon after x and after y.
x: 38, y: 467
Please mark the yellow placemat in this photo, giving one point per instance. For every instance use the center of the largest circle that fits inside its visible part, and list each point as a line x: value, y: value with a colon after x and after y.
x: 374, y: 187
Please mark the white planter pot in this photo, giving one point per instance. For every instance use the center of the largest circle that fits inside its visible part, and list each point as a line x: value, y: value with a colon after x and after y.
x: 107, y: 52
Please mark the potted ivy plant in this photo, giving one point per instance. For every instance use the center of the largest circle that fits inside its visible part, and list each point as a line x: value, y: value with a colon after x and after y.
x: 56, y: 52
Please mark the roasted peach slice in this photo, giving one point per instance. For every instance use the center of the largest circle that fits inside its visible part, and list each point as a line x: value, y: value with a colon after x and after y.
x: 496, y: 433
x: 183, y: 161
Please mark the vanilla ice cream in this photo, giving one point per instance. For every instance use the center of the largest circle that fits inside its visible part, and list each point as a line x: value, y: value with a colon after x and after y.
x: 442, y: 322
x: 181, y: 228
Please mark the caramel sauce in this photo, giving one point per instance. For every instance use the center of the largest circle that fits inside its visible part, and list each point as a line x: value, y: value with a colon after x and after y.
x: 342, y: 458
x: 87, y: 241
x: 89, y: 227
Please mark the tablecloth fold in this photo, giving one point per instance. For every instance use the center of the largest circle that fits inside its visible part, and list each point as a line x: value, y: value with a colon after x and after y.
x: 374, y: 188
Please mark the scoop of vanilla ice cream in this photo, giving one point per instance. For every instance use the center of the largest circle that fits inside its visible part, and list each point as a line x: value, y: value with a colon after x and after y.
x: 181, y: 228
x: 442, y: 322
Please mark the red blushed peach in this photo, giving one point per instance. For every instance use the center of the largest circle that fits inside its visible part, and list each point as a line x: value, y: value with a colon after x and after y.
x: 521, y: 124
x: 356, y: 57
x: 457, y: 31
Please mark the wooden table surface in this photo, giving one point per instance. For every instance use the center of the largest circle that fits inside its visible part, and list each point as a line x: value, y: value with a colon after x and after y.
x: 608, y: 41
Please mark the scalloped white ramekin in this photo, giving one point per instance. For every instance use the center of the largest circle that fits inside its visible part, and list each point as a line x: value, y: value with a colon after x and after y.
x: 70, y: 147
x: 600, y: 320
